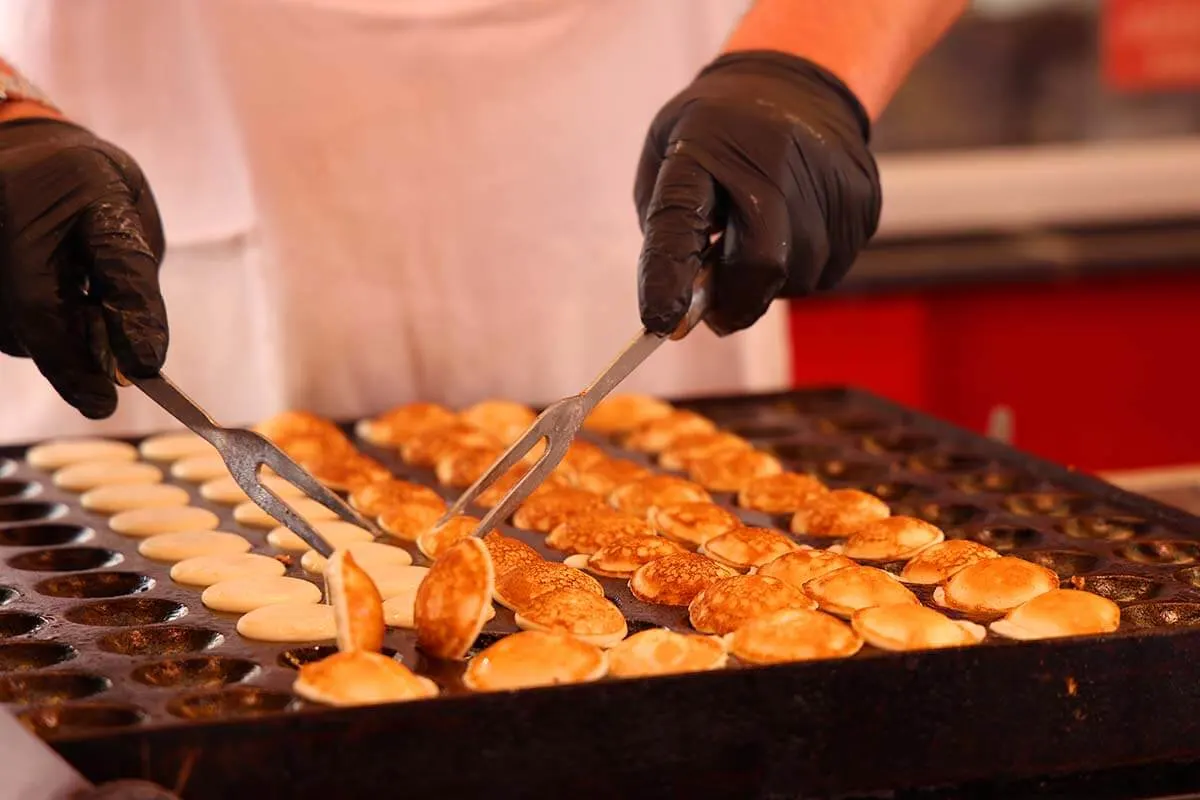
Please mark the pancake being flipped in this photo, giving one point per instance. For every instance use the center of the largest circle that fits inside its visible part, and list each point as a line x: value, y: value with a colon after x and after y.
x: 801, y: 566
x: 58, y: 453
x: 535, y: 658
x: 582, y: 614
x: 730, y: 603
x: 397, y: 425
x: 360, y: 678
x: 623, y: 558
x: 676, y: 580
x: 639, y: 497
x: 519, y: 587
x: 437, y: 540
x: 664, y: 652
x: 691, y: 447
x: 587, y: 533
x: 620, y: 413
x: 546, y: 511
x: 693, y: 524
x: 994, y: 586
x: 841, y: 512
x: 844, y: 591
x: 793, y: 634
x: 453, y: 601
x: 892, y: 539
x: 732, y: 470
x: 940, y: 561
x: 503, y: 419
x: 654, y: 436
x: 742, y: 548
x: 908, y: 627
x: 357, y: 605
x: 781, y: 493
x: 1058, y: 613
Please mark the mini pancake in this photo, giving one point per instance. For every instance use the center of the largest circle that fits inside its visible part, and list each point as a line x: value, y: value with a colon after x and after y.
x: 425, y: 448
x: 357, y: 606
x: 623, y: 558
x: 310, y: 511
x: 732, y: 470
x: 207, y: 570
x: 183, y: 545
x: 366, y: 555
x: 582, y: 614
x: 801, y: 566
x: 226, y: 491
x: 360, y: 678
x: 173, y: 446
x: 306, y: 450
x: 144, y: 522
x: 546, y: 511
x: 59, y: 453
x: 604, y: 476
x: 435, y: 541
x: 376, y: 498
x: 396, y: 426
x: 90, y: 474
x: 289, y: 622
x: 400, y: 610
x: 730, y: 603
x: 294, y: 424
x: 580, y: 456
x: 841, y: 512
x: 115, y: 499
x: 782, y: 493
x: 454, y: 600
x: 689, y: 447
x: 660, y: 651
x: 508, y: 553
x: 657, y: 435
x: 408, y: 521
x: 504, y: 419
x: 639, y: 497
x: 519, y: 587
x: 337, y: 533
x: 587, y: 533
x: 491, y: 496
x: 693, y: 524
x: 793, y: 634
x: 535, y: 658
x: 892, y: 539
x: 1059, y: 613
x: 908, y: 627
x: 743, y: 548
x: 676, y: 580
x: 620, y: 413
x: 844, y: 591
x: 345, y: 472
x: 462, y: 467
x: 940, y: 561
x: 198, y: 469
x: 240, y: 595
x: 994, y: 586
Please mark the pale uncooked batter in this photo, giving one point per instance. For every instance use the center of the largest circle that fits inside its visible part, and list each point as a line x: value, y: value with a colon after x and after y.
x: 199, y: 469
x: 207, y: 570
x: 169, y: 447
x: 60, y: 453
x: 241, y: 595
x: 339, y: 534
x: 115, y: 499
x: 254, y: 517
x: 87, y: 475
x: 366, y: 555
x: 183, y: 545
x: 289, y: 622
x: 226, y: 491
x: 143, y: 522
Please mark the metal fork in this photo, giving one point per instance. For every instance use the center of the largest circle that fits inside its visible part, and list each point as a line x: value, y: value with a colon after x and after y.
x: 246, y: 453
x: 561, y: 420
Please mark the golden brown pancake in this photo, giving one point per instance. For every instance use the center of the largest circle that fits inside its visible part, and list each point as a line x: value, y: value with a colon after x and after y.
x: 357, y: 604
x: 435, y: 541
x: 939, y: 562
x: 519, y: 587
x: 689, y: 447
x: 376, y: 498
x: 908, y: 627
x: 844, y: 591
x: 782, y: 493
x: 546, y: 511
x: 454, y: 600
x: 693, y: 524
x: 841, y: 512
x: 396, y: 426
x: 604, y: 476
x: 535, y: 658
x: 730, y: 603
x: 360, y: 678
x: 656, y: 435
x: 584, y: 615
x: 1058, y: 613
x: 676, y: 580
x: 793, y: 634
x: 491, y: 496
x: 425, y: 448
x: 345, y: 472
x: 732, y: 470
x: 407, y: 521
x: 462, y: 467
x: 801, y: 566
x: 623, y: 558
x: 620, y: 413
x: 587, y: 533
x: 311, y: 449
x: 508, y: 553
x: 503, y: 419
x: 296, y: 424
x: 743, y: 548
x: 994, y: 586
x: 87, y: 475
x: 639, y: 497
x: 579, y: 457
x: 892, y: 539
x: 664, y: 652
x: 59, y: 453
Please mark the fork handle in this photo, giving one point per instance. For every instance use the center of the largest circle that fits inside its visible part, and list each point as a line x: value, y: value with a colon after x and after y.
x: 701, y: 296
x: 171, y: 398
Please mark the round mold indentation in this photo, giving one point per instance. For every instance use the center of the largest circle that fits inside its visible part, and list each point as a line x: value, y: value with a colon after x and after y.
x: 1048, y: 504
x: 94, y: 584
x: 1118, y: 588
x: 950, y: 515
x: 951, y: 463
x: 17, y: 490
x: 852, y: 422
x: 898, y: 442
x: 991, y: 480
x: 1108, y: 528
x: 7, y: 467
x: 236, y: 702
x: 297, y: 657
x: 761, y: 430
x: 483, y: 641
x: 66, y: 559
x: 126, y: 612
x: 802, y: 452
x: 1163, y: 614
x: 19, y: 623
x: 1067, y: 563
x: 7, y: 595
x: 196, y: 672
x: 71, y: 718
x: 858, y: 472
x: 50, y: 687
x: 160, y: 640
x: 901, y: 491
x: 22, y: 656
x: 22, y: 511
x: 49, y: 534
x: 1161, y: 552
x: 1003, y: 538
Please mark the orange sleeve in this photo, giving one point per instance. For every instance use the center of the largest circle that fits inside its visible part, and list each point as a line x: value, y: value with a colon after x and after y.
x: 20, y: 99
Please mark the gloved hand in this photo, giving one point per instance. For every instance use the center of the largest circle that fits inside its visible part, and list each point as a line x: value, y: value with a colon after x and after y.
x: 769, y: 150
x: 80, y: 246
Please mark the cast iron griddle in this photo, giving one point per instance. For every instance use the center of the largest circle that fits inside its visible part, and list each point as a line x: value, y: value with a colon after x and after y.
x: 127, y: 674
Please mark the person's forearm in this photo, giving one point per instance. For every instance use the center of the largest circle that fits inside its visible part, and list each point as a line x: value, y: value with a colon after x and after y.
x: 870, y: 44
x: 19, y: 106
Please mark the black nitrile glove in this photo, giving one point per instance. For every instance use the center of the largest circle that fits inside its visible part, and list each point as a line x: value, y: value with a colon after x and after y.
x: 80, y: 246
x: 769, y: 150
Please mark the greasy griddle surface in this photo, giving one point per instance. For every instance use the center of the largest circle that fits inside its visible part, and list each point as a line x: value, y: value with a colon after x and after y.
x: 202, y: 689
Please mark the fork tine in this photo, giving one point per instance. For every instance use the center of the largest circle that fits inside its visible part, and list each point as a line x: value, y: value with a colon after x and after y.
x: 296, y: 475
x: 510, y: 458
x: 556, y: 448
x: 284, y: 514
